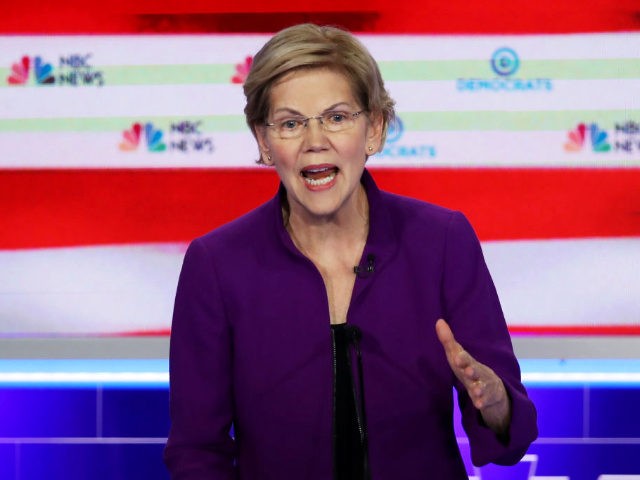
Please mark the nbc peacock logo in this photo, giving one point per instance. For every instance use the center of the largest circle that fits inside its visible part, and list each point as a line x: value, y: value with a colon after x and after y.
x: 21, y: 70
x: 182, y: 137
x: 242, y: 70
x: 72, y: 70
x: 578, y: 137
x: 153, y: 138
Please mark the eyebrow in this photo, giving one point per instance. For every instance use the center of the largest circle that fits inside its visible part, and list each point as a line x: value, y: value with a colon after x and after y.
x: 295, y: 112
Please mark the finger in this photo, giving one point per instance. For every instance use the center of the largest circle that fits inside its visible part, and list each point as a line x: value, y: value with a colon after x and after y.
x: 452, y: 349
x: 485, y: 395
x: 478, y: 389
x: 470, y: 372
x: 458, y: 357
x: 445, y: 335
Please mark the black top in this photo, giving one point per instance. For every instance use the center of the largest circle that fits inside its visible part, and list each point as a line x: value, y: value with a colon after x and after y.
x: 348, y: 451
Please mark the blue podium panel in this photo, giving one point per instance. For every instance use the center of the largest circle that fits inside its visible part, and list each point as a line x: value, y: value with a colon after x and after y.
x: 47, y: 412
x: 586, y: 461
x: 92, y: 461
x: 135, y: 412
x: 109, y: 420
x: 8, y: 461
x: 561, y: 410
x: 614, y: 413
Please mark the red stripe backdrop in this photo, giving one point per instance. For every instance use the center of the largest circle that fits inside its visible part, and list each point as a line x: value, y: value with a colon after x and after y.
x: 84, y: 207
x: 401, y: 16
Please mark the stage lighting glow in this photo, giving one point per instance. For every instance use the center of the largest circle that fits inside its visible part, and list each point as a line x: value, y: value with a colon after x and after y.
x: 155, y: 373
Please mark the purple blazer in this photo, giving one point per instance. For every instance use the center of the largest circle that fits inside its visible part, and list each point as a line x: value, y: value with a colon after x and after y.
x: 251, y: 346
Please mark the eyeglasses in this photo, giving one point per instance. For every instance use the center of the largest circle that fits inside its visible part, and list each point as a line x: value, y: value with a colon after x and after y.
x: 332, y: 121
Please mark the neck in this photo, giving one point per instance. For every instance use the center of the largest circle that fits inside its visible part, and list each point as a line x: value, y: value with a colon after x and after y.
x: 343, y: 232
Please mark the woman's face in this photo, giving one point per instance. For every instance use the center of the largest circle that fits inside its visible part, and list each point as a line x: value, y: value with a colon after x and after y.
x: 320, y: 169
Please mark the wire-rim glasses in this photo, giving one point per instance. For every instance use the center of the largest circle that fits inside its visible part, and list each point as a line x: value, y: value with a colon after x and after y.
x: 331, y: 121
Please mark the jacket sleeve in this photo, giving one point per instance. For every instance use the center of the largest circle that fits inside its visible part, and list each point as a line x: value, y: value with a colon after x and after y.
x: 473, y: 311
x: 199, y: 446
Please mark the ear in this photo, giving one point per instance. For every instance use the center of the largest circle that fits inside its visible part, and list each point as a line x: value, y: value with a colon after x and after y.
x: 374, y: 134
x: 263, y: 145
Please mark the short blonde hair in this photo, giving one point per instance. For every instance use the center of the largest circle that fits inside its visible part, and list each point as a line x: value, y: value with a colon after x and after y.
x: 312, y: 46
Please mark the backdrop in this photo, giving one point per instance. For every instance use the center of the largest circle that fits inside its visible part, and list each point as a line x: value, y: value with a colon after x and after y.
x: 122, y: 138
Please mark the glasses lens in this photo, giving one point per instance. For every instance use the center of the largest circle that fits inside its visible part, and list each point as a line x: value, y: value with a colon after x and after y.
x: 337, y: 121
x: 334, y: 121
x: 290, y: 128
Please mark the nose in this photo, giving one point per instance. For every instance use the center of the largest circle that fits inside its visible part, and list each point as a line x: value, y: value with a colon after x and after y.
x: 313, y: 128
x: 318, y: 118
x: 314, y: 134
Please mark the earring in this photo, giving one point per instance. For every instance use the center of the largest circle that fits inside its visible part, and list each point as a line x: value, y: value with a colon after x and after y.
x: 269, y: 157
x: 370, y: 148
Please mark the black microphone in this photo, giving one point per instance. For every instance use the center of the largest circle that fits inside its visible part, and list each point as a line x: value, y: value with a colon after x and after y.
x: 364, y: 271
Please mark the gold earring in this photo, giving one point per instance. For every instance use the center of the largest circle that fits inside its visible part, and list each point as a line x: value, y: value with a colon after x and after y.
x: 370, y: 148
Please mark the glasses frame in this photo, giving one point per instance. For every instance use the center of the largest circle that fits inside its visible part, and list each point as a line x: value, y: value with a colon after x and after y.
x: 305, y: 122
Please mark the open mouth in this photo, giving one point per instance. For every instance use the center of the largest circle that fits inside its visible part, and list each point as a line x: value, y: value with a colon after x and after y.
x: 319, y: 175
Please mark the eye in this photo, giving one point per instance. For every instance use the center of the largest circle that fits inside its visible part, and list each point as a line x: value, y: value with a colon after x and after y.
x: 290, y: 124
x: 335, y: 117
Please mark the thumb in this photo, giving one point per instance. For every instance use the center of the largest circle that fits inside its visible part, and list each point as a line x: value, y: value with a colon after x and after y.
x: 457, y: 357
x: 445, y: 335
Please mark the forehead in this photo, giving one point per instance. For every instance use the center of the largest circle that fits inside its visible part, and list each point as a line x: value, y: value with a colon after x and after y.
x: 311, y: 91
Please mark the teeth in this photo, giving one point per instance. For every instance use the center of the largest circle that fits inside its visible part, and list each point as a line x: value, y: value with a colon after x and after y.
x: 316, y: 170
x: 321, y: 181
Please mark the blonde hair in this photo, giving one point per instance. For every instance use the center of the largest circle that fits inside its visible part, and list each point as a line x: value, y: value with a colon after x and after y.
x: 312, y: 46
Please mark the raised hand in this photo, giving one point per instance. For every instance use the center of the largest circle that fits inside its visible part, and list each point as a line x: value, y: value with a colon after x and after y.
x: 483, y: 386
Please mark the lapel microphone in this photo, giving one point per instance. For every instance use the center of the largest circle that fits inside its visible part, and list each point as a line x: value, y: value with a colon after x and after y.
x: 364, y: 271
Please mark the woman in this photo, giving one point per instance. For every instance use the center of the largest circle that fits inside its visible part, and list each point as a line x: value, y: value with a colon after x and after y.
x: 314, y: 324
